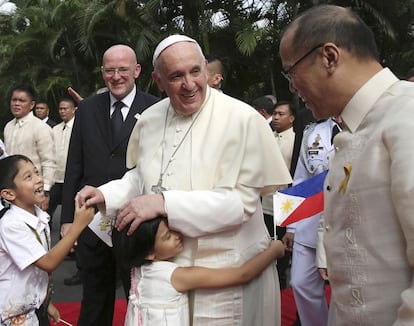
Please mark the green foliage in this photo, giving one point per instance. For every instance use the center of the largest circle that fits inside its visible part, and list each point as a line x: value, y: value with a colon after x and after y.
x: 53, y: 44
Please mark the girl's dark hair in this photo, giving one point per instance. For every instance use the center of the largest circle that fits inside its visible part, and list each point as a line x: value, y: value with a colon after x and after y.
x: 132, y: 250
x: 9, y: 167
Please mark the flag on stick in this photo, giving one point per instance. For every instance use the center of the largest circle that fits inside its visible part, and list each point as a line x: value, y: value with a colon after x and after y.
x: 301, y: 201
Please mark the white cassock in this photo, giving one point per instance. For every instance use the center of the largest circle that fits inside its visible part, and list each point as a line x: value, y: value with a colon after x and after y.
x: 214, y: 180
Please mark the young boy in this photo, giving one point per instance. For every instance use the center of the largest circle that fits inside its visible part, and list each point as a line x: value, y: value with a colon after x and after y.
x: 25, y: 254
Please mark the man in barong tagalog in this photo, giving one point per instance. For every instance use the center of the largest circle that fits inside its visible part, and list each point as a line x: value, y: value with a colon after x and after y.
x: 331, y: 60
x: 203, y: 159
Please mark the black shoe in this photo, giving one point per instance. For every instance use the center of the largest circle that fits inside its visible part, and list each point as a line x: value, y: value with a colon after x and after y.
x: 73, y: 280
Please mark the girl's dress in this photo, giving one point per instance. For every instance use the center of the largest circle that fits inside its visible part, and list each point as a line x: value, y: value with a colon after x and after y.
x: 153, y: 300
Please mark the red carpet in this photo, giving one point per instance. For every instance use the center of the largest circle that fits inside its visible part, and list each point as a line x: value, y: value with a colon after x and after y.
x: 289, y: 306
x: 69, y: 311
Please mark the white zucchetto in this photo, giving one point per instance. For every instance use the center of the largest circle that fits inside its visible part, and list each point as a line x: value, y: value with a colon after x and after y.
x: 168, y: 41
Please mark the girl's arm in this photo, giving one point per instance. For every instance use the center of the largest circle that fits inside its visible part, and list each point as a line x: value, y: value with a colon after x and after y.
x: 51, y: 260
x: 189, y: 278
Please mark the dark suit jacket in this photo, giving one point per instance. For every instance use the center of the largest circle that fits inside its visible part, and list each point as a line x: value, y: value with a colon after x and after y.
x: 271, y: 126
x: 51, y: 123
x: 92, y: 158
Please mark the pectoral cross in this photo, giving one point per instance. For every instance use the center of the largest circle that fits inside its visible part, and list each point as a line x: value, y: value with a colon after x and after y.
x: 158, y: 188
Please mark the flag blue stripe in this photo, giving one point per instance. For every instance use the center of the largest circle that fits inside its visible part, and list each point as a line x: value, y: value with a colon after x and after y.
x: 307, y: 188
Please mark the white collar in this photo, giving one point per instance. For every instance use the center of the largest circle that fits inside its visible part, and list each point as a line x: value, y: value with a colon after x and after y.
x: 33, y: 221
x: 127, y: 100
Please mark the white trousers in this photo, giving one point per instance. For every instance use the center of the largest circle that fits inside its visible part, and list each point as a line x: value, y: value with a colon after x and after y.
x: 308, y: 287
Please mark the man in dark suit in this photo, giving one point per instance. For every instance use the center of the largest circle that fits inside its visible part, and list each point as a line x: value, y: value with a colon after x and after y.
x: 42, y: 112
x: 97, y: 155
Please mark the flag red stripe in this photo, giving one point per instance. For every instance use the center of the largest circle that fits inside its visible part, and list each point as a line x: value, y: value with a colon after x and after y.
x: 309, y: 207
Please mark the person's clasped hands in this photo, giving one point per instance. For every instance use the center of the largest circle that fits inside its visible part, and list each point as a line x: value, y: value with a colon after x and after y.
x: 137, y: 210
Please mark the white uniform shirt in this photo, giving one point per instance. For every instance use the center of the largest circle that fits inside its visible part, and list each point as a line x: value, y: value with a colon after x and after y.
x: 23, y: 286
x: 315, y: 152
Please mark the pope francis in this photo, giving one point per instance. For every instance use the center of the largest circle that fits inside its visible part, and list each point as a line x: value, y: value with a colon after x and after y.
x: 203, y: 159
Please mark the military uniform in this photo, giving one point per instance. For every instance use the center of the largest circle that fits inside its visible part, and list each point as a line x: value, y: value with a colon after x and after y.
x: 307, y: 285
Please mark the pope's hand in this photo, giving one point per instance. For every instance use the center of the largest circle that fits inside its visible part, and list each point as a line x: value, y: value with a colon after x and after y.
x: 90, y: 196
x: 138, y: 210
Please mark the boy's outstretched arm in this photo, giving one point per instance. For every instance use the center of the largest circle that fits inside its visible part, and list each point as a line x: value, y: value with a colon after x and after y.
x: 188, y: 278
x: 51, y: 260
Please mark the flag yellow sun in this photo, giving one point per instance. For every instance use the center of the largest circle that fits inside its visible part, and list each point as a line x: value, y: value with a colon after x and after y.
x: 287, y: 206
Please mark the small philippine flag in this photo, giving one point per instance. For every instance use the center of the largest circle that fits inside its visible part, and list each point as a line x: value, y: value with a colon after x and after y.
x: 301, y: 201
x: 102, y: 227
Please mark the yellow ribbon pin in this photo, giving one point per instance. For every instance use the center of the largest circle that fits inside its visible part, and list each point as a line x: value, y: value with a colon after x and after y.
x: 344, y: 183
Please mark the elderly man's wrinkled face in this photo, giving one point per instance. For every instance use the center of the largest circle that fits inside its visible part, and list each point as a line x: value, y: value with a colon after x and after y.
x: 181, y: 72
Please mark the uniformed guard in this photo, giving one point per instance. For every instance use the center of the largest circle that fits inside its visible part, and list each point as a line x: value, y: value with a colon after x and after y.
x: 307, y: 285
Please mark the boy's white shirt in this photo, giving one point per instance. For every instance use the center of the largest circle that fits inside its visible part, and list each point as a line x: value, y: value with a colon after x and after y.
x: 23, y: 286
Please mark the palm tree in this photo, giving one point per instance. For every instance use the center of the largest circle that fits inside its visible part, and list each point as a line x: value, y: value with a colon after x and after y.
x: 53, y: 44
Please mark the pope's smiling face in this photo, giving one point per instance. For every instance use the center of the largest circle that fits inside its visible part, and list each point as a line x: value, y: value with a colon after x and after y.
x: 181, y: 72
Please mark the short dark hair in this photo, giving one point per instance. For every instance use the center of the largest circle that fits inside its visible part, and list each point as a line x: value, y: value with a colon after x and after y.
x: 41, y: 100
x: 264, y: 103
x: 133, y: 249
x: 330, y: 23
x: 29, y: 90
x: 292, y: 108
x: 211, y: 58
x: 68, y: 99
x: 9, y: 167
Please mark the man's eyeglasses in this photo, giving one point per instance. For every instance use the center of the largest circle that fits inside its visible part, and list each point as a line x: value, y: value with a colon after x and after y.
x: 122, y: 71
x: 286, y: 73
